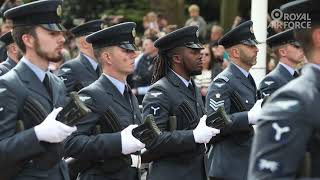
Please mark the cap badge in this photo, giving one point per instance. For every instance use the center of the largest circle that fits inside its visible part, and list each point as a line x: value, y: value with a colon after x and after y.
x: 103, y: 26
x: 251, y: 30
x: 59, y: 10
x: 133, y: 32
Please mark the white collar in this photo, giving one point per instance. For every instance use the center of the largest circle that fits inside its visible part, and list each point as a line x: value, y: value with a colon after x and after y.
x: 37, y: 71
x: 93, y: 63
x: 290, y: 69
x: 119, y: 84
x: 185, y: 82
x: 244, y: 72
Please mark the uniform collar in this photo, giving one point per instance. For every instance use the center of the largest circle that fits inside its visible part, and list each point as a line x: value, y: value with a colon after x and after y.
x: 185, y: 82
x: 290, y: 69
x: 93, y: 63
x: 244, y: 72
x: 11, y: 61
x: 37, y: 71
x: 119, y: 85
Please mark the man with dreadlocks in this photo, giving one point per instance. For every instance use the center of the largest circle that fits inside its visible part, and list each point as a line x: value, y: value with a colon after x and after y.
x: 176, y: 105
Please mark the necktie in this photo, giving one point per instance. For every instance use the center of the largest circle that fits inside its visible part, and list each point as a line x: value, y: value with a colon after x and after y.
x: 295, y: 74
x: 127, y: 94
x: 251, y: 80
x: 190, y: 87
x: 47, y: 85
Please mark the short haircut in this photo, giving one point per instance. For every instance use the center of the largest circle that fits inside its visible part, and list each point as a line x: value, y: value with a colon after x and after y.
x: 277, y: 48
x: 19, y: 31
x: 98, y: 51
x: 193, y: 7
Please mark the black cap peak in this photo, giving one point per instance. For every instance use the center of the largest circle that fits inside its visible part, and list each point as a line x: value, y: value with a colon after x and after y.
x: 186, y: 36
x: 242, y: 34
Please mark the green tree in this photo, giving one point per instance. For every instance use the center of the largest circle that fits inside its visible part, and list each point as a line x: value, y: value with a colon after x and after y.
x: 173, y: 10
x: 132, y: 10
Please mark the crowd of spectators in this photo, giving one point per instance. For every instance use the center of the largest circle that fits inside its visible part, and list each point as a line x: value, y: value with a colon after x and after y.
x: 155, y: 25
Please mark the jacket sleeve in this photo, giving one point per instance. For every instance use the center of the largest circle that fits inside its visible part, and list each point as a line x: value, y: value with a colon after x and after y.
x: 219, y: 95
x: 14, y: 147
x: 85, y: 145
x: 267, y: 86
x: 157, y: 103
x: 281, y: 138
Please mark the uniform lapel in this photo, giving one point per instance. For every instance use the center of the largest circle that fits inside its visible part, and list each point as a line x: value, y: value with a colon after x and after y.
x: 11, y: 62
x: 135, y: 105
x: 284, y: 72
x: 88, y: 65
x: 241, y: 77
x: 31, y: 80
x: 198, y: 96
x: 56, y: 89
x: 8, y: 63
x: 114, y: 92
x: 175, y: 80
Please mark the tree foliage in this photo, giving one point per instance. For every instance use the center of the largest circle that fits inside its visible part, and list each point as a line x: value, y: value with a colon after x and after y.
x: 132, y: 10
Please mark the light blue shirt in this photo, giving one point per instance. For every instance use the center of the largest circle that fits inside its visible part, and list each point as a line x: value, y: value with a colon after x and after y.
x: 119, y: 84
x: 93, y: 63
x: 290, y: 69
x: 244, y: 72
x: 186, y: 82
x: 37, y: 71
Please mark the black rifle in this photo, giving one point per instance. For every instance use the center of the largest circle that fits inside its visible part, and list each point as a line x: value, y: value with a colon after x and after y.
x: 148, y: 131
x: 185, y: 109
x: 237, y: 102
x: 218, y: 119
x: 112, y: 120
x: 33, y: 109
x: 73, y: 111
x: 109, y: 120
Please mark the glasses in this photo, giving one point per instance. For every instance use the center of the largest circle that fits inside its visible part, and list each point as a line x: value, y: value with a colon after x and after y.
x: 204, y: 54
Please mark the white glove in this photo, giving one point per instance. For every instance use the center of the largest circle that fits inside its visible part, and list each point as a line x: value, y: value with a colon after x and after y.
x: 203, y: 133
x: 254, y: 112
x: 51, y: 130
x: 129, y: 143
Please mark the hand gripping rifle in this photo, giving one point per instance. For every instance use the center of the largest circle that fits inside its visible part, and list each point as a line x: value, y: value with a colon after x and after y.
x: 148, y: 131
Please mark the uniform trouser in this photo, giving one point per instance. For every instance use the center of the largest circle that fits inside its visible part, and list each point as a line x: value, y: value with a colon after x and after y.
x: 214, y: 178
x: 58, y: 172
x: 128, y: 173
